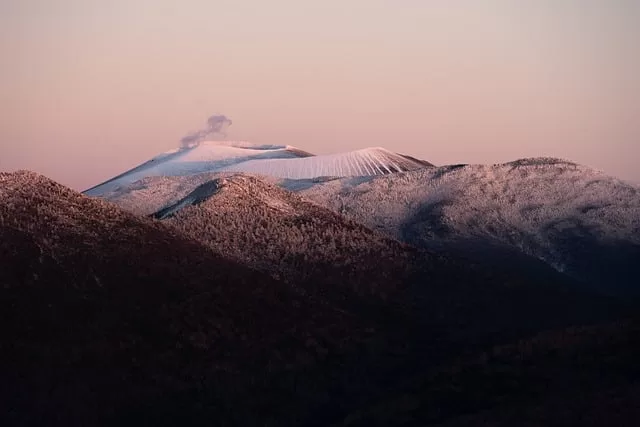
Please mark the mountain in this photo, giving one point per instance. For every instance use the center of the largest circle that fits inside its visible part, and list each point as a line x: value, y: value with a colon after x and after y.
x: 110, y: 318
x: 202, y: 157
x: 279, y: 232
x: 109, y: 315
x: 509, y: 216
x: 579, y: 221
x: 272, y: 160
x: 283, y: 234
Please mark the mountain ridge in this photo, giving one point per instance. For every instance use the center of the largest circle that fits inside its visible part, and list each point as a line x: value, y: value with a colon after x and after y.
x: 277, y: 160
x: 111, y: 318
x: 272, y: 229
x: 577, y: 219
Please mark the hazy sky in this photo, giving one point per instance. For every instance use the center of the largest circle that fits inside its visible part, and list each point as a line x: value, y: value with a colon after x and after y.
x: 91, y: 88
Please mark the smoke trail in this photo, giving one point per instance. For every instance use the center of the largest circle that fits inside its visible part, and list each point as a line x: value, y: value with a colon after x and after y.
x: 217, y: 125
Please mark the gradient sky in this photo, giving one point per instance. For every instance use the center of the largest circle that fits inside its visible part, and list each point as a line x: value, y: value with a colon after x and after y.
x: 91, y: 88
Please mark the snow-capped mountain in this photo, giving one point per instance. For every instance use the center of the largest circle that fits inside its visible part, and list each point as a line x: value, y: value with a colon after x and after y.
x: 272, y: 160
x: 576, y: 219
x: 203, y: 157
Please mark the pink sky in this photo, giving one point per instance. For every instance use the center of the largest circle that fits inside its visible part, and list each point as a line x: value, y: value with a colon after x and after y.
x: 91, y: 88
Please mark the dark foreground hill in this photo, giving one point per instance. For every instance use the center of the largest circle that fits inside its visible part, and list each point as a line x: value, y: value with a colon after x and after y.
x: 113, y: 319
x: 103, y: 311
x: 577, y: 376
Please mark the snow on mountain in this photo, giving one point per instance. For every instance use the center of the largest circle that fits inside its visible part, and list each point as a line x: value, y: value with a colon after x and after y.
x: 576, y: 219
x: 153, y: 193
x: 366, y: 162
x: 272, y: 160
x: 203, y: 157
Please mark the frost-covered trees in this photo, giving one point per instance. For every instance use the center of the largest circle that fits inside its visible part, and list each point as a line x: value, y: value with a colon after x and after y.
x: 277, y: 231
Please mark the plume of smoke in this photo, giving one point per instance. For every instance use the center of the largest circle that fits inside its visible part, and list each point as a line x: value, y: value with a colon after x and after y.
x: 217, y: 125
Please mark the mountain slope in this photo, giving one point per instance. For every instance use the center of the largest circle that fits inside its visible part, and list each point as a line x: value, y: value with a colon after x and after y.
x: 274, y: 229
x: 278, y: 161
x: 261, y: 223
x: 579, y: 221
x: 114, y: 319
x: 151, y: 194
x: 366, y: 162
x: 584, y: 375
x: 105, y: 313
x: 279, y: 232
x: 198, y: 158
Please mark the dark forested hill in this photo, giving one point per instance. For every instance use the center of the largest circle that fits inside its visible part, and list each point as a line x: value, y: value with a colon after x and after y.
x: 103, y: 311
x: 114, y: 319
